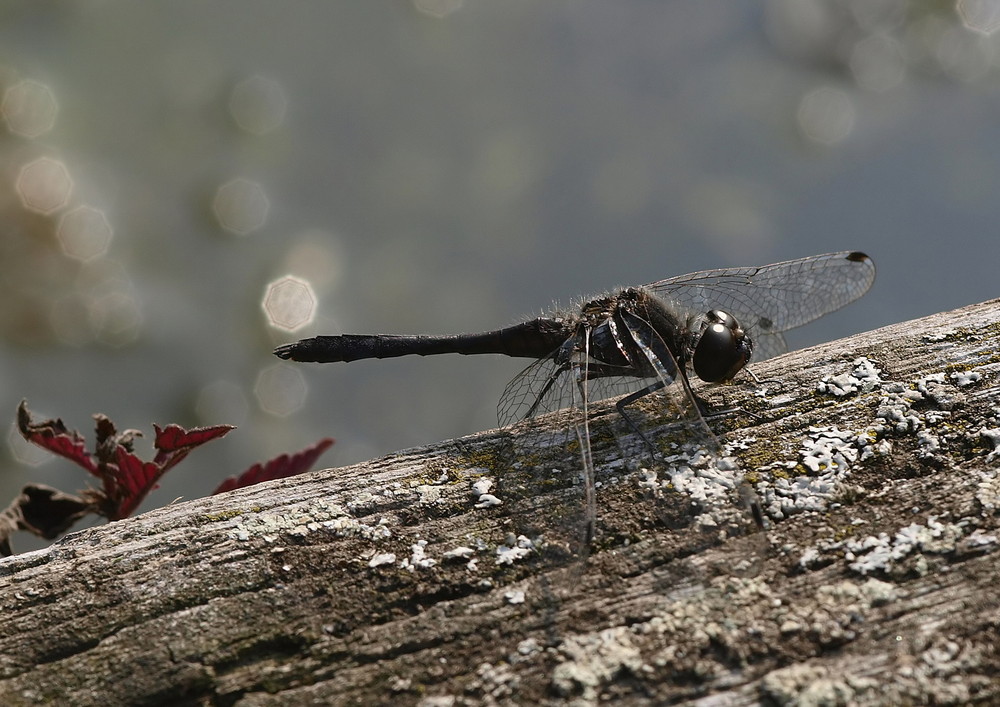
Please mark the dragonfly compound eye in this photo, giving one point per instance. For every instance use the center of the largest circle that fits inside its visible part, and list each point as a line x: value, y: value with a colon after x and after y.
x: 723, y: 349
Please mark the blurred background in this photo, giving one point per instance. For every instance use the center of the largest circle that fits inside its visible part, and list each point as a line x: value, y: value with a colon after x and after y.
x: 185, y: 185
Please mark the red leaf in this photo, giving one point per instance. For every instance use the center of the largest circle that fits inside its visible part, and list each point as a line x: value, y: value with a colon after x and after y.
x: 53, y: 436
x: 278, y: 468
x: 173, y: 442
x: 125, y: 478
x: 127, y: 482
x: 42, y: 510
x: 174, y: 438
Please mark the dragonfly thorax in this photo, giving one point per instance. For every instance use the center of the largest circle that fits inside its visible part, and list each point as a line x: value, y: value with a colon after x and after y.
x: 612, y: 341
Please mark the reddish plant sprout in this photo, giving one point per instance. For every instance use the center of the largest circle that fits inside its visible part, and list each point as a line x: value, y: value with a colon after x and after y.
x: 136, y: 478
x: 125, y: 479
x: 278, y: 468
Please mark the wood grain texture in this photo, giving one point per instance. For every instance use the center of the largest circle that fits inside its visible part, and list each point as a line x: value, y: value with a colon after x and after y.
x: 875, y: 583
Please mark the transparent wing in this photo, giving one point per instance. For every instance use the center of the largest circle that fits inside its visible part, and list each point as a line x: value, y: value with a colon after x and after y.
x: 770, y: 299
x: 538, y: 389
x: 558, y: 431
x: 548, y: 466
x: 545, y: 387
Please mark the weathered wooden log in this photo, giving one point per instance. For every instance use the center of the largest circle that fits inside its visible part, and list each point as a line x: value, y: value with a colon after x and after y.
x: 396, y: 580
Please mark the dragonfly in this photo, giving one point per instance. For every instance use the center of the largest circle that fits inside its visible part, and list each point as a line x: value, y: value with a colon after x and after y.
x: 636, y: 348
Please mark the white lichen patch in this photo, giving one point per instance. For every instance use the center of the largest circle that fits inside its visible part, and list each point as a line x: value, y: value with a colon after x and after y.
x: 966, y: 378
x: 648, y: 480
x: 418, y: 559
x: 937, y: 392
x: 894, y: 411
x: 707, y: 631
x: 809, y: 558
x: 496, y: 683
x: 593, y: 659
x: 514, y: 596
x: 829, y: 450
x: 807, y: 684
x: 487, y: 500
x: 459, y: 553
x: 482, y: 486
x: 978, y: 542
x: 382, y: 558
x: 429, y: 494
x: 708, y: 480
x: 525, y: 649
x: 928, y: 444
x: 864, y: 378
x: 882, y: 553
x: 513, y: 551
x: 945, y: 670
x: 829, y: 455
x: 316, y: 515
x: 988, y: 490
x: 482, y: 498
x: 991, y: 436
x: 872, y: 592
x: 682, y: 626
x: 936, y: 389
x: 837, y: 612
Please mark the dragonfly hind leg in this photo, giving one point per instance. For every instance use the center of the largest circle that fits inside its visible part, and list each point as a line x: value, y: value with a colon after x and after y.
x: 631, y: 398
x: 700, y: 405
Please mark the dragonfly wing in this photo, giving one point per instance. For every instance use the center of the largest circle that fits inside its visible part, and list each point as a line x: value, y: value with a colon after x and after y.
x: 548, y: 479
x: 766, y: 344
x: 774, y: 298
x: 538, y: 389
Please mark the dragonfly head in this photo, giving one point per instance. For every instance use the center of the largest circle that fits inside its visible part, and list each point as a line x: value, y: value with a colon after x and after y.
x: 723, y: 348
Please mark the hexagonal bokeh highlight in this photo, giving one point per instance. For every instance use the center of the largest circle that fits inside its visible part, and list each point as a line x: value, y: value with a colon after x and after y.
x: 84, y: 233
x: 289, y: 303
x: 44, y: 185
x: 116, y: 317
x: 24, y: 451
x: 980, y: 15
x: 826, y: 115
x: 878, y: 62
x: 240, y: 206
x: 29, y: 108
x: 280, y: 390
x: 258, y: 105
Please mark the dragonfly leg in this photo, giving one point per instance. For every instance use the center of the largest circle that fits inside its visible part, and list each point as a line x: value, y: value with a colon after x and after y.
x: 760, y: 382
x: 746, y: 492
x: 726, y: 412
x: 631, y: 398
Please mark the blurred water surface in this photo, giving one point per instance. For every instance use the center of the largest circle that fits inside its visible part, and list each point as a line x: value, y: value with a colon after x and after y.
x: 184, y: 185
